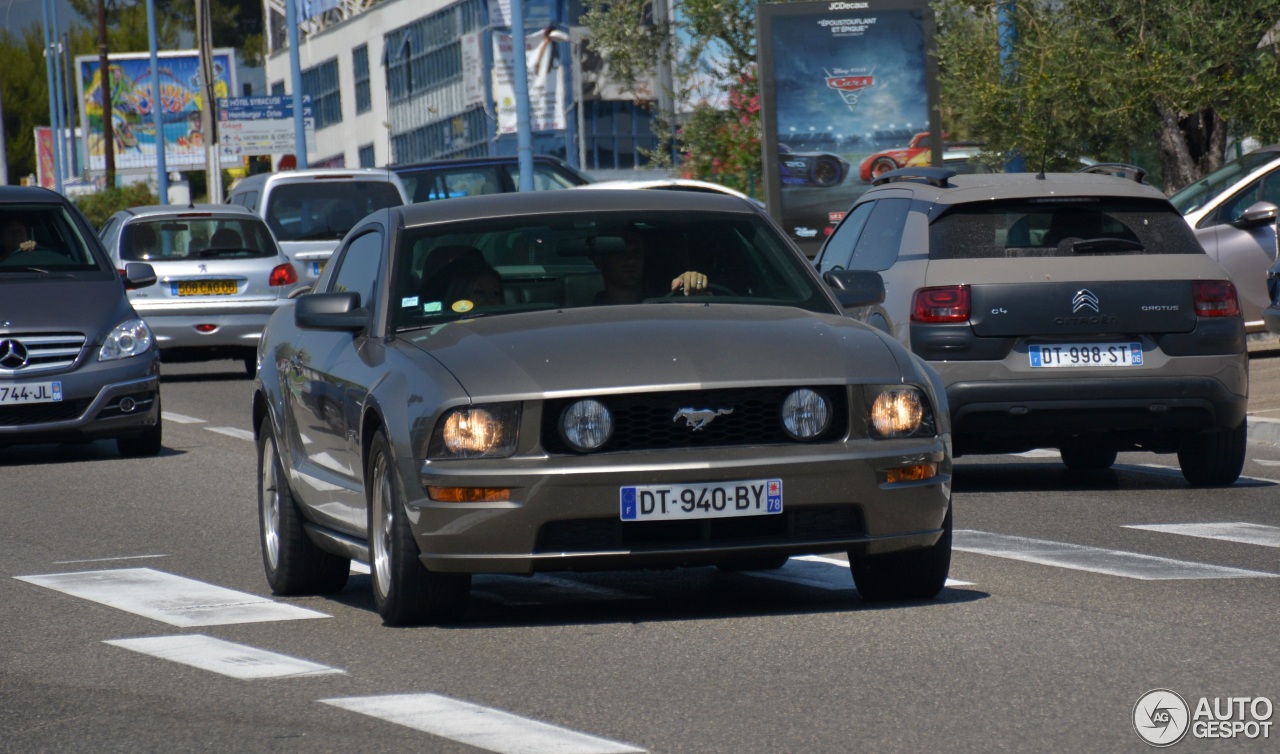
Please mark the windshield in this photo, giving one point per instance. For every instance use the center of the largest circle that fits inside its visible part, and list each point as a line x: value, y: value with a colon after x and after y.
x: 595, y: 259
x: 42, y: 238
x: 1060, y: 227
x: 325, y: 210
x: 210, y: 237
x: 1196, y: 195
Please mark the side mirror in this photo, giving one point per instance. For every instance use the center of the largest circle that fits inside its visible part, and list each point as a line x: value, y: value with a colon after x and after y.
x: 138, y: 275
x: 1258, y: 213
x: 330, y: 311
x: 856, y: 287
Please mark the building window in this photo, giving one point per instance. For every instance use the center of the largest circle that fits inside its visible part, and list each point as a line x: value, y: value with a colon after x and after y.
x: 615, y: 134
x: 360, y: 65
x: 321, y: 82
x: 427, y: 54
x: 464, y: 135
x: 277, y: 88
x: 366, y: 156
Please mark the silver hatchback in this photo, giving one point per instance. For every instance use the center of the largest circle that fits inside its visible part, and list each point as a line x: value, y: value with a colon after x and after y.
x: 221, y: 276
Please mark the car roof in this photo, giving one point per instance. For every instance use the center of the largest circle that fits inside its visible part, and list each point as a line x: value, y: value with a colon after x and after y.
x: 175, y: 210
x: 961, y: 189
x: 310, y: 174
x: 30, y: 194
x: 657, y: 183
x: 490, y: 206
x: 486, y: 160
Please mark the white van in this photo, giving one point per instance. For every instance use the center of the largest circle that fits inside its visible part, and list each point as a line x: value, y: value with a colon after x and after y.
x: 311, y: 210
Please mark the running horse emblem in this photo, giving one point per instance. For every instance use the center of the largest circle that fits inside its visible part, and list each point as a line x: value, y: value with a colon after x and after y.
x: 697, y: 418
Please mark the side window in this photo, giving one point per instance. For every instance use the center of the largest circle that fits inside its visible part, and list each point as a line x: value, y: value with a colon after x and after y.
x: 451, y: 185
x: 1265, y: 189
x: 358, y: 269
x: 877, y: 247
x: 839, y: 249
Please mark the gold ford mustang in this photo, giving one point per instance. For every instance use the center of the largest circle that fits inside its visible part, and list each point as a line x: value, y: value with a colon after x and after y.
x: 599, y: 380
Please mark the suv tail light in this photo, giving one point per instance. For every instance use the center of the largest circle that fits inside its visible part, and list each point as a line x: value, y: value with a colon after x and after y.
x: 283, y: 274
x: 947, y: 303
x: 1215, y: 298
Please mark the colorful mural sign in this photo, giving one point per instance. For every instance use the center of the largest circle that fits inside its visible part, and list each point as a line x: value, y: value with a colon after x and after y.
x: 843, y: 85
x: 131, y: 107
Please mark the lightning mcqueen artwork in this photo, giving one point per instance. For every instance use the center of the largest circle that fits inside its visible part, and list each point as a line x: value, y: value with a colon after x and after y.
x: 880, y: 163
x: 821, y: 169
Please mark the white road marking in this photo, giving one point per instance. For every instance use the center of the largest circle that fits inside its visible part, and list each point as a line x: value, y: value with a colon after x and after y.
x: 1265, y: 462
x: 1174, y: 471
x: 1130, y: 565
x: 481, y: 727
x: 1039, y: 453
x: 359, y: 568
x: 223, y: 657
x: 106, y: 560
x: 236, y: 432
x: 816, y: 571
x: 169, y: 416
x: 170, y: 599
x: 1245, y: 533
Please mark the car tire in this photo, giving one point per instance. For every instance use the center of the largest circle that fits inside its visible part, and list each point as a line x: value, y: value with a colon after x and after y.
x: 1214, y: 459
x: 882, y: 166
x: 145, y: 444
x: 404, y: 591
x: 762, y: 563
x: 1088, y: 457
x: 911, y: 575
x: 293, y: 563
x: 826, y: 172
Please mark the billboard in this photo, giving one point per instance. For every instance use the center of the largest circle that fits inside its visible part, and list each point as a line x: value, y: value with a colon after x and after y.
x: 844, y: 86
x: 134, y: 130
x: 262, y: 125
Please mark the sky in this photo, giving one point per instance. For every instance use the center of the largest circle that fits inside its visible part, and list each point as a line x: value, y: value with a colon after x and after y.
x: 17, y: 15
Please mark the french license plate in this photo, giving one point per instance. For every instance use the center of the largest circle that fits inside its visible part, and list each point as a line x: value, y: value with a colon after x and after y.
x: 31, y: 392
x: 205, y: 287
x: 664, y: 502
x: 1086, y: 355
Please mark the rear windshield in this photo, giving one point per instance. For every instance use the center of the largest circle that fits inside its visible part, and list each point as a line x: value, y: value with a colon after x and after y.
x: 39, y: 238
x: 325, y: 210
x: 506, y: 267
x: 196, y: 238
x: 1060, y: 228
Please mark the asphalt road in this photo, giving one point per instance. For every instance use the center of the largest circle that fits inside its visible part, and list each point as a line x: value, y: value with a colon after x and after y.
x: 1051, y: 632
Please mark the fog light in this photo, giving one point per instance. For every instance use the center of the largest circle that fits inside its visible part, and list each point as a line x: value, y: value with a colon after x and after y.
x: 805, y: 414
x: 127, y: 405
x: 586, y: 425
x: 917, y: 473
x: 469, y: 494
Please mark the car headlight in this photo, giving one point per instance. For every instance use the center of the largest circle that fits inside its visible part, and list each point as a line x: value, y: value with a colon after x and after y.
x: 806, y: 414
x: 129, y: 338
x: 586, y: 425
x: 898, y: 411
x: 476, y: 432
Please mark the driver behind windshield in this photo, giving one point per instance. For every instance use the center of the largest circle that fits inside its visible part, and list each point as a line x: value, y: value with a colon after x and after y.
x: 623, y: 274
x: 14, y: 237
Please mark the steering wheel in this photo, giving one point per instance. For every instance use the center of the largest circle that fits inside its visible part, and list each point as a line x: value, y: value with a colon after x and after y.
x: 723, y: 290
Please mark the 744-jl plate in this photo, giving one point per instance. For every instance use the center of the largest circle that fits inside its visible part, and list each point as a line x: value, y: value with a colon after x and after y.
x: 665, y: 502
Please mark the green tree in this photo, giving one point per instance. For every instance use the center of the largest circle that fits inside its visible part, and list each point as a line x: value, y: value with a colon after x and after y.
x: 711, y: 47
x: 236, y: 23
x: 1112, y: 79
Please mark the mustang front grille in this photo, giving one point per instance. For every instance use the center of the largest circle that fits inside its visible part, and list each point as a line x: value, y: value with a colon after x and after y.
x: 743, y: 416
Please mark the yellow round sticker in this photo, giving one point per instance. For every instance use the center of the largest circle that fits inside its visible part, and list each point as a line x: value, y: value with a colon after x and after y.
x: 463, y: 306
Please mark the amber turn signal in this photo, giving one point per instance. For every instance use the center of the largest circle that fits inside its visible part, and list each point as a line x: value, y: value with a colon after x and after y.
x: 469, y: 494
x: 917, y: 473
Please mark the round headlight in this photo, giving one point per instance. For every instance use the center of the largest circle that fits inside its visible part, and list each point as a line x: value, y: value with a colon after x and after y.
x: 471, y: 431
x: 897, y: 412
x: 586, y: 425
x: 806, y: 414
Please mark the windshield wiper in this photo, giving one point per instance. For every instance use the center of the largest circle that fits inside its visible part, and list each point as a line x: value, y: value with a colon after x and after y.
x: 1100, y: 245
x: 25, y: 269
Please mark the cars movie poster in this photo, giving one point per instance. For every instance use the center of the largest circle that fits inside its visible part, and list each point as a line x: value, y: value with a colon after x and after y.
x: 847, y: 91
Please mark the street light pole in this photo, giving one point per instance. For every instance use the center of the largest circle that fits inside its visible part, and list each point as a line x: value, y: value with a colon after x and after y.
x: 520, y: 83
x: 157, y: 109
x: 1007, y: 32
x: 295, y: 74
x: 53, y: 99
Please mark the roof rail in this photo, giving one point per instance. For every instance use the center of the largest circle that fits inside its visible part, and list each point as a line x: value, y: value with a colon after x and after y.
x: 936, y: 177
x: 1118, y: 169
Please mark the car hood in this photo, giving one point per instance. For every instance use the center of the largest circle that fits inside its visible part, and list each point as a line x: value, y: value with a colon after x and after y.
x: 687, y: 346
x: 55, y: 304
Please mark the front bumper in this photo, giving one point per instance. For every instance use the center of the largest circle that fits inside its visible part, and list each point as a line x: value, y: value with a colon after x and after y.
x: 564, y: 513
x: 100, y: 400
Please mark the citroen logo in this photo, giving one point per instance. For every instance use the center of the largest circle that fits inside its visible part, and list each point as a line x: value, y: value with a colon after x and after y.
x: 13, y: 355
x: 697, y: 418
x: 1084, y: 299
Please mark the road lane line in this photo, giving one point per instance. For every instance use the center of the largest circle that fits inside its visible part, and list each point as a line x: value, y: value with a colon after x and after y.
x: 106, y: 560
x: 481, y: 727
x: 223, y: 657
x: 1245, y: 533
x: 1039, y: 453
x: 239, y: 434
x: 816, y: 571
x: 169, y: 416
x: 1130, y: 565
x: 170, y: 599
x: 1174, y: 471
